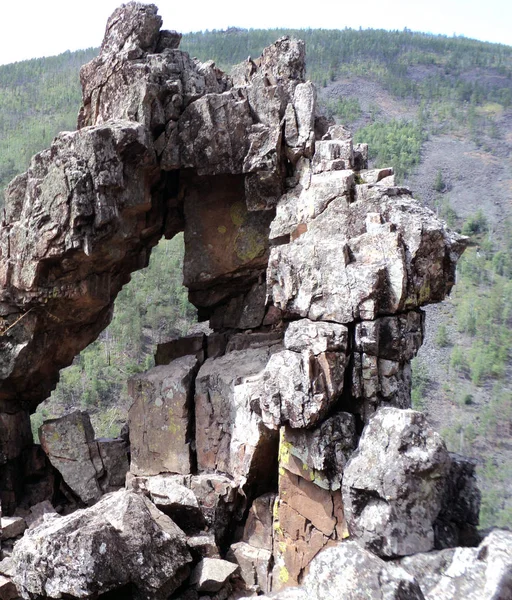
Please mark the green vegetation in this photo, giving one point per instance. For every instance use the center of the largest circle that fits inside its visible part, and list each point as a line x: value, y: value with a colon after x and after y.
x: 38, y: 98
x: 150, y: 309
x: 395, y: 143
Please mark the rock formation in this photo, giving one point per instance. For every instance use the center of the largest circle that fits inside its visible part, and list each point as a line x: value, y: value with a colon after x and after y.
x: 287, y: 429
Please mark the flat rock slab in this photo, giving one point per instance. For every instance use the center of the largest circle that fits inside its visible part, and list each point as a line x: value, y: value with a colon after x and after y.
x: 159, y: 418
x: 211, y: 574
x: 12, y: 527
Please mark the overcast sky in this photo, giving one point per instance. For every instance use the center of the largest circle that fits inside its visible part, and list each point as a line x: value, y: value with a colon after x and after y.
x: 33, y: 28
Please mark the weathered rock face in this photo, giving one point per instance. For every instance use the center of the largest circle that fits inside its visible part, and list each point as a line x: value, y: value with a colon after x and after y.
x: 89, y: 467
x: 312, y: 271
x: 122, y: 539
x: 348, y: 571
x: 160, y: 418
x: 482, y: 573
x: 393, y: 485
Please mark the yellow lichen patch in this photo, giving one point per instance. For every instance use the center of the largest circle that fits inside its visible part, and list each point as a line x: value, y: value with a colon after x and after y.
x: 282, y: 547
x: 249, y: 245
x: 284, y: 449
x: 221, y: 229
x: 238, y: 213
x: 284, y: 576
x: 275, y: 509
x: 278, y: 529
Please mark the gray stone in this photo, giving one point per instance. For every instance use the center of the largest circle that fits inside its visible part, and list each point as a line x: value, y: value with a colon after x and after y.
x: 114, y: 456
x: 255, y: 565
x: 12, y: 527
x: 322, y: 452
x: 393, y: 486
x: 350, y: 572
x: 69, y: 444
x: 230, y: 436
x: 483, y: 573
x: 211, y: 574
x: 122, y: 539
x: 346, y: 267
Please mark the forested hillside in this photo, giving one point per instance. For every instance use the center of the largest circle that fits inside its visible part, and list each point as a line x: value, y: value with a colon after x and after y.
x: 440, y: 110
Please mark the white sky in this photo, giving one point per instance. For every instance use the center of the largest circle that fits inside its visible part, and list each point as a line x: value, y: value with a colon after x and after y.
x: 35, y: 28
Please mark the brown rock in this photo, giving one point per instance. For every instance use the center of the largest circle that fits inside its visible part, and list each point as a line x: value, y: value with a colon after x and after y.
x: 159, y: 418
x: 190, y: 345
x: 70, y: 446
x: 230, y: 436
x: 255, y: 565
x: 8, y: 590
x: 258, y: 528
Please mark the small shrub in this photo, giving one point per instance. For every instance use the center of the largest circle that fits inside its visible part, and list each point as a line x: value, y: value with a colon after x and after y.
x: 442, y: 339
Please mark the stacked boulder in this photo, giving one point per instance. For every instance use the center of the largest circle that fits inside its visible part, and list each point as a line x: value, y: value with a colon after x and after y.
x: 284, y: 430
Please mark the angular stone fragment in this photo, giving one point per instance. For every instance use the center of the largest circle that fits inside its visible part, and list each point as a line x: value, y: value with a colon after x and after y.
x: 159, y: 418
x: 258, y: 526
x: 121, y: 540
x: 316, y: 337
x: 308, y: 200
x: 396, y: 338
x: 483, y: 573
x: 393, y: 486
x: 203, y: 546
x: 299, y: 388
x: 176, y: 500
x: 114, y: 456
x: 12, y: 527
x: 8, y: 590
x: 255, y: 565
x: 69, y: 444
x: 180, y: 346
x: 37, y: 512
x: 220, y: 501
x: 230, y: 435
x: 320, y: 454
x: 211, y: 574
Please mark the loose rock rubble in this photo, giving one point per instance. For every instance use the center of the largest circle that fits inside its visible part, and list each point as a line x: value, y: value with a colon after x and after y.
x: 280, y: 449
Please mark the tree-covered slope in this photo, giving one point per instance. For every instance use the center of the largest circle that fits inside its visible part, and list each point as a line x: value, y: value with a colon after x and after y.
x: 437, y: 108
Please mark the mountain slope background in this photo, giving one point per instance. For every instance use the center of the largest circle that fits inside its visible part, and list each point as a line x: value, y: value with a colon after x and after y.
x: 439, y: 110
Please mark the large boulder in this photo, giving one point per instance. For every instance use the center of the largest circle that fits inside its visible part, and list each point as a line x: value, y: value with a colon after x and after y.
x: 393, y: 486
x: 483, y: 573
x: 381, y: 254
x: 347, y: 571
x: 123, y: 539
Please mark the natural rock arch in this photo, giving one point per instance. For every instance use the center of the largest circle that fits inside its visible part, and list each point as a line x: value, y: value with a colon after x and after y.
x: 310, y: 268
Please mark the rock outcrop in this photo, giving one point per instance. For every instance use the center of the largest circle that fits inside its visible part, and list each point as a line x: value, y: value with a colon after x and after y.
x: 285, y: 431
